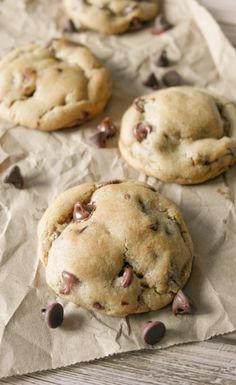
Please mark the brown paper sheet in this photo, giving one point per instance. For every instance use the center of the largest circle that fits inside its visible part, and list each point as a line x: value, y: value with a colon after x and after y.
x: 53, y: 162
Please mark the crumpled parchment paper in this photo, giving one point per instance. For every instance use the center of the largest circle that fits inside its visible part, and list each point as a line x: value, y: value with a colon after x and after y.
x: 53, y: 162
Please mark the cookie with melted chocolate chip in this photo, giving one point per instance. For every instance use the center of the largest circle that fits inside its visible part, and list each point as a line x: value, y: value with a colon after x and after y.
x: 112, y: 252
x: 111, y: 16
x: 51, y: 87
x: 182, y: 135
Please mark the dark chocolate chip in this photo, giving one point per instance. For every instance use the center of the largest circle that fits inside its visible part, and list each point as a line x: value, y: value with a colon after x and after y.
x: 163, y: 60
x: 127, y: 277
x: 107, y: 126
x: 53, y: 315
x: 124, y: 303
x: 152, y: 82
x: 172, y: 79
x: 69, y: 27
x: 14, y: 177
x: 161, y: 25
x: 127, y: 196
x: 135, y: 25
x: 141, y: 131
x: 153, y: 332
x: 69, y: 280
x: 139, y: 104
x: 181, y: 304
x: 98, y: 306
x: 153, y: 226
x: 99, y: 139
x: 83, y: 211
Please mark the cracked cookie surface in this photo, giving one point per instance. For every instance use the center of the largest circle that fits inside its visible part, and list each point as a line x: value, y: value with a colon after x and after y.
x: 118, y: 247
x: 51, y: 87
x: 111, y: 16
x: 180, y: 135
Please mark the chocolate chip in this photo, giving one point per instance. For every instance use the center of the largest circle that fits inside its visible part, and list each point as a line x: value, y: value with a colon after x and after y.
x: 14, y: 177
x: 69, y: 27
x: 82, y: 212
x: 98, y: 306
x: 181, y: 304
x: 127, y: 277
x: 161, y: 25
x: 107, y: 126
x: 141, y: 131
x: 124, y: 303
x: 53, y: 315
x: 153, y: 226
x: 172, y: 79
x: 127, y: 196
x: 163, y: 60
x: 152, y: 82
x: 139, y: 104
x: 135, y: 25
x: 153, y: 332
x: 99, y: 139
x: 69, y: 280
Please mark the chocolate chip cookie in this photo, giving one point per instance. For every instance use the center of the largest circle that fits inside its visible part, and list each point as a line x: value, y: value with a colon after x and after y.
x: 180, y: 135
x: 117, y: 247
x: 51, y: 87
x: 111, y: 16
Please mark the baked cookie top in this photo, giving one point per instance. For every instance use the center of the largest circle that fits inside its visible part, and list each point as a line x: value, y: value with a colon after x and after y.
x: 119, y: 247
x: 51, y: 87
x: 111, y: 16
x: 180, y: 135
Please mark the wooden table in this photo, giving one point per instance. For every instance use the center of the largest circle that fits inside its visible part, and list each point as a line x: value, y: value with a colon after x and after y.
x: 208, y: 362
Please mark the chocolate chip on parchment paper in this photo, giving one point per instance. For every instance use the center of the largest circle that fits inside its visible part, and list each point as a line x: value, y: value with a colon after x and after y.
x: 151, y: 81
x: 14, y: 177
x: 161, y: 25
x: 53, y: 314
x: 172, y: 79
x: 181, y: 304
x: 153, y: 332
x: 105, y: 130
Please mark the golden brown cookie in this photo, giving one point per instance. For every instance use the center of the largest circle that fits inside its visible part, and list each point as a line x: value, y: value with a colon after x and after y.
x: 111, y: 16
x: 180, y: 135
x: 57, y: 86
x: 118, y: 247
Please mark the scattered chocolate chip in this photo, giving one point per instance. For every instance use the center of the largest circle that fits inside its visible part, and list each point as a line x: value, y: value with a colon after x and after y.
x: 127, y: 196
x: 163, y: 60
x: 139, y: 104
x: 69, y: 27
x: 83, y: 211
x: 161, y: 25
x: 54, y: 315
x: 127, y: 276
x: 152, y: 82
x: 153, y: 332
x: 98, y: 306
x: 141, y: 131
x: 172, y: 79
x: 123, y: 303
x: 107, y: 126
x: 69, y: 280
x: 14, y: 177
x: 153, y: 226
x: 129, y: 9
x: 181, y: 304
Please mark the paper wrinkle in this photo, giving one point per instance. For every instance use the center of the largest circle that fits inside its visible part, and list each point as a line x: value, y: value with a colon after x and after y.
x: 53, y: 162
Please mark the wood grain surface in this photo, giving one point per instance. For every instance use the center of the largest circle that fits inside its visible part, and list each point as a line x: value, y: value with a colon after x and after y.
x: 208, y: 362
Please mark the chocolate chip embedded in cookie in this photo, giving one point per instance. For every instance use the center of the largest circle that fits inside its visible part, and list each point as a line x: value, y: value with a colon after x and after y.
x: 55, y: 86
x: 118, y: 258
x: 111, y: 17
x: 182, y: 135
